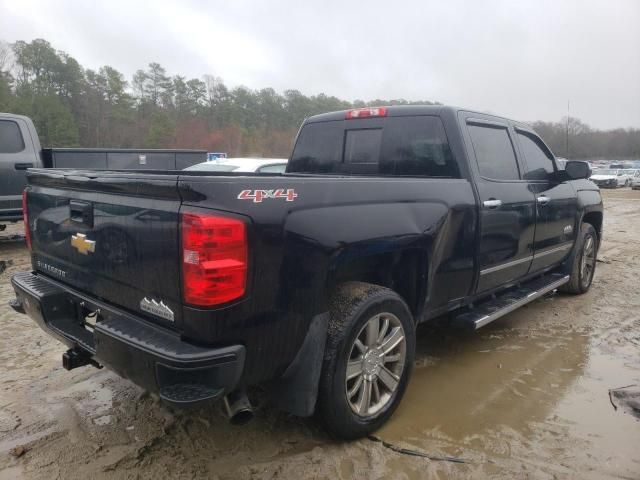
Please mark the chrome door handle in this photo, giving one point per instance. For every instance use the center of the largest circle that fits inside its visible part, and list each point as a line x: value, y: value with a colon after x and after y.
x: 492, y: 203
x: 543, y: 200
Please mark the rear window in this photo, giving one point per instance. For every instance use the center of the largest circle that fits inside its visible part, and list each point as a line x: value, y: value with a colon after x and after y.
x: 10, y: 137
x: 394, y: 146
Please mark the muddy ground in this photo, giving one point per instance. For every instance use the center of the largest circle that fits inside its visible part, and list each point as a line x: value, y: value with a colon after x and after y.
x: 525, y: 397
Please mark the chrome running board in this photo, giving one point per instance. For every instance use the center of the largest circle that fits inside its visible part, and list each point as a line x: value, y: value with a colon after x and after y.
x: 494, y: 308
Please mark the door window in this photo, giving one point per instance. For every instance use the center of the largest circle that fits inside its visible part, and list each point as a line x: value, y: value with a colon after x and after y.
x: 494, y: 152
x: 10, y: 137
x: 539, y: 159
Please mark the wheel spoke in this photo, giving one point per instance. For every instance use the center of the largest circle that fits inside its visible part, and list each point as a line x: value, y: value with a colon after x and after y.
x: 388, y: 379
x: 354, y: 368
x: 373, y: 329
x: 376, y: 390
x: 360, y: 346
x: 356, y: 387
x: 365, y: 398
x: 392, y: 340
x: 392, y: 358
x: 588, y: 247
x: 383, y: 330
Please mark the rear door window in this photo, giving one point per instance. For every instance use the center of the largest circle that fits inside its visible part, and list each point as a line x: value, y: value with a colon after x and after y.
x: 494, y: 152
x: 400, y: 146
x: 10, y: 137
x: 538, y: 157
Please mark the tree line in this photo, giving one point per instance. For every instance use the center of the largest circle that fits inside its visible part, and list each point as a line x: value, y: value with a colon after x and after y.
x: 75, y: 106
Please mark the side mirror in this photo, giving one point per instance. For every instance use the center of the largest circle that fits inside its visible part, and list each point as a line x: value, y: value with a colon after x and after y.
x: 577, y: 170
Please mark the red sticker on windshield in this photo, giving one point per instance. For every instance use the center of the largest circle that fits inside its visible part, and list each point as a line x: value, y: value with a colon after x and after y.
x: 259, y: 195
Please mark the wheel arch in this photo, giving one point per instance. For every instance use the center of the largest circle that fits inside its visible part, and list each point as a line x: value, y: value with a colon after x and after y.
x: 403, y: 270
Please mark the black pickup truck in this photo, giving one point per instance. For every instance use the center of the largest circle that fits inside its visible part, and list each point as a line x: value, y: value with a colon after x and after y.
x: 196, y: 285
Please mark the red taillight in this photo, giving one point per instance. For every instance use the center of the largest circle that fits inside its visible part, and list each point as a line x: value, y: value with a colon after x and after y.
x: 25, y: 217
x: 214, y: 259
x: 367, y: 112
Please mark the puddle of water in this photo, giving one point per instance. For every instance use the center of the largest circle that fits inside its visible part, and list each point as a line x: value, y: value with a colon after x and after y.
x: 500, y: 396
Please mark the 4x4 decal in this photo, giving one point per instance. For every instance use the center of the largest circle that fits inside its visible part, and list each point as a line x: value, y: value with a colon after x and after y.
x: 258, y: 195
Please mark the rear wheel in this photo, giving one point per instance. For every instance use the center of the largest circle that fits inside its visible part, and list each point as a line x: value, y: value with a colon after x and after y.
x: 584, y: 261
x: 368, y: 359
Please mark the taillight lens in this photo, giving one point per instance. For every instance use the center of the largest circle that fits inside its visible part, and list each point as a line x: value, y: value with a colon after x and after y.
x: 366, y: 112
x: 214, y: 259
x: 25, y: 217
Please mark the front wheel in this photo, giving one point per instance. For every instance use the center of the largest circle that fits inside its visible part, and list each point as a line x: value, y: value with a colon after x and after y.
x: 584, y: 261
x: 368, y: 359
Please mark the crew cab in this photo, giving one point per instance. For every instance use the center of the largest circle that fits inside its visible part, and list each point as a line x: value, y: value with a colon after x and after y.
x: 197, y: 285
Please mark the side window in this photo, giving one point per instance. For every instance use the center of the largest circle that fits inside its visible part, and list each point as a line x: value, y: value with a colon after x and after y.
x: 279, y: 168
x: 10, y: 137
x: 494, y: 152
x: 538, y: 157
x: 417, y: 146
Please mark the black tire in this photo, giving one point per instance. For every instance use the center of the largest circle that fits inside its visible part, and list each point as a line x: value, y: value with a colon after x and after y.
x: 578, y: 282
x: 352, y: 307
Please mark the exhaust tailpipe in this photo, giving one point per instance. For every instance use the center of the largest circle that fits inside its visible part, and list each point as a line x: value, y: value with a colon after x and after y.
x: 238, y: 407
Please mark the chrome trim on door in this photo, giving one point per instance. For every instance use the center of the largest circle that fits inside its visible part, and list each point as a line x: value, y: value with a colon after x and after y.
x: 543, y: 199
x: 562, y: 247
x: 513, y: 263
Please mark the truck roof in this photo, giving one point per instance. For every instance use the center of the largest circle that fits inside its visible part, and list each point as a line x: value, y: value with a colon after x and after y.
x: 14, y: 116
x: 403, y: 110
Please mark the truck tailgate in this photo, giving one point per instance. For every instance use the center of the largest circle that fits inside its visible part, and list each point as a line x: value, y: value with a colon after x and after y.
x: 113, y: 235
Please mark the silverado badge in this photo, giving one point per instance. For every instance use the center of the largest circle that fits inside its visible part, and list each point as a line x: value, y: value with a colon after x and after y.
x: 79, y: 242
x: 158, y: 309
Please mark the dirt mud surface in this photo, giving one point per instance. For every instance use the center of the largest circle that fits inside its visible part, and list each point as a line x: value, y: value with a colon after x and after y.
x: 526, y: 397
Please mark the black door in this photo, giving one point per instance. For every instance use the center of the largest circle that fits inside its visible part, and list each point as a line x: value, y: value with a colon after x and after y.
x: 507, y: 208
x: 556, y: 202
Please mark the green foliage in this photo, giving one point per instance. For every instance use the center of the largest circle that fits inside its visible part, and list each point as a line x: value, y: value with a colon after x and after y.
x: 73, y: 106
x: 53, y: 120
x: 161, y: 131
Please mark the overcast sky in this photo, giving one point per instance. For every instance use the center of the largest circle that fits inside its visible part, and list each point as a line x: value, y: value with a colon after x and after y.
x: 521, y: 59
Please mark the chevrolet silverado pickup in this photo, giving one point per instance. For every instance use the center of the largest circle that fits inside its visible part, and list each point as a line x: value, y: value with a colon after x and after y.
x: 196, y: 285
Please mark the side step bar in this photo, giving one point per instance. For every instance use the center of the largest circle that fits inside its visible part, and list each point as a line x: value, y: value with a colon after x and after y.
x: 492, y: 309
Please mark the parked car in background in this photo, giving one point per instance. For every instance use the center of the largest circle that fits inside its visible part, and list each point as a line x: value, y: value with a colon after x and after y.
x: 20, y: 149
x: 635, y: 181
x: 612, y: 178
x: 249, y: 165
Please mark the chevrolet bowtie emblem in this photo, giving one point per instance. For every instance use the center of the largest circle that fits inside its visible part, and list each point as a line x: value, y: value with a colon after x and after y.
x: 79, y: 242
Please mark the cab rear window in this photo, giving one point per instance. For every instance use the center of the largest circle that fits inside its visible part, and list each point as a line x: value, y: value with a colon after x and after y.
x: 393, y: 146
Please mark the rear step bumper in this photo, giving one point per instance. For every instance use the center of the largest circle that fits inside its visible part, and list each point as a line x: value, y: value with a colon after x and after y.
x: 155, y: 358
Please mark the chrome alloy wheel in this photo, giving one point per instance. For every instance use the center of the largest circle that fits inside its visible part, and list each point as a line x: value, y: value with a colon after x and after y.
x: 588, y: 261
x: 375, y: 365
